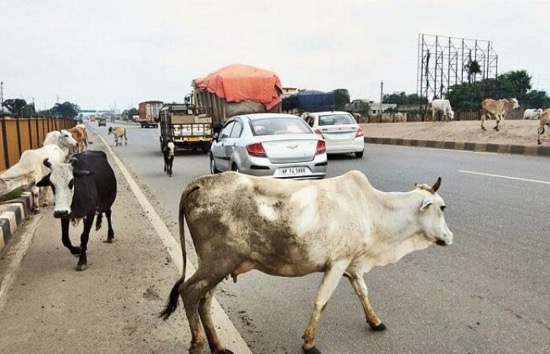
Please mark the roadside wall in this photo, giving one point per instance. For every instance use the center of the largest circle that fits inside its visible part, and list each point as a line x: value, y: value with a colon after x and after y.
x: 20, y: 134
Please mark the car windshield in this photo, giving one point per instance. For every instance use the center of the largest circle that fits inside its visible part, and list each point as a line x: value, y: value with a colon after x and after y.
x: 279, y: 125
x: 336, y: 119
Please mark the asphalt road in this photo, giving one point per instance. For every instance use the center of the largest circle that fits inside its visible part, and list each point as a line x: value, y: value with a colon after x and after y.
x: 487, y: 293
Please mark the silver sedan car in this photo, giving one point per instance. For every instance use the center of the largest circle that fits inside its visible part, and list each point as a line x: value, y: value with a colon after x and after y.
x: 269, y: 144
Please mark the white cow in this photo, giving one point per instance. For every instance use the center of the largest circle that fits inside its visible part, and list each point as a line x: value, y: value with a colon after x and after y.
x: 340, y: 226
x: 443, y: 106
x: 29, y: 170
x: 62, y: 138
x: 532, y: 113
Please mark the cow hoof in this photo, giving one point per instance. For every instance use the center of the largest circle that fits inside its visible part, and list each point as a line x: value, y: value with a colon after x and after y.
x: 225, y: 351
x: 312, y: 350
x: 379, y: 328
x: 81, y: 267
x: 110, y: 240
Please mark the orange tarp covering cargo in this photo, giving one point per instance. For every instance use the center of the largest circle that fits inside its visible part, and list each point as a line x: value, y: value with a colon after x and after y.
x: 237, y: 82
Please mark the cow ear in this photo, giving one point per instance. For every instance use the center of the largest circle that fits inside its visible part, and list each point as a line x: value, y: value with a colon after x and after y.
x: 47, y: 163
x: 45, y: 181
x: 82, y: 173
x: 426, y: 203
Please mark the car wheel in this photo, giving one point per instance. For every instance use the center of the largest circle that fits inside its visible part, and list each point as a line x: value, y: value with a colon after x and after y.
x: 213, y: 168
x: 359, y: 154
x: 234, y: 167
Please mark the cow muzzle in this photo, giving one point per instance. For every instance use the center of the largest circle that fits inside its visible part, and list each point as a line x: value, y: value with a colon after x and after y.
x: 445, y: 240
x: 61, y: 214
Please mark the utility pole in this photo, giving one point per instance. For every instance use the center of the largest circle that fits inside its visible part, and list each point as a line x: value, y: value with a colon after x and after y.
x: 381, y: 94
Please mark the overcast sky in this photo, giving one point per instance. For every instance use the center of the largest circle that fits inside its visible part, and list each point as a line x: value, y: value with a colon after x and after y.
x: 102, y: 54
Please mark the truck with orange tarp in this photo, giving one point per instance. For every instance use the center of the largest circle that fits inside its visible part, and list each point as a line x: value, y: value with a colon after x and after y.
x: 232, y: 90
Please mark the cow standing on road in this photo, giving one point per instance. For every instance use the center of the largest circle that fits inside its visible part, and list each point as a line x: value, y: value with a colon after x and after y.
x: 85, y: 186
x: 119, y: 133
x: 496, y: 109
x: 340, y: 226
x: 168, y: 152
x: 81, y: 136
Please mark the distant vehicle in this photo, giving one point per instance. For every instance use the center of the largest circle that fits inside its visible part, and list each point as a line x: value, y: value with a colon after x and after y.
x: 186, y: 126
x: 149, y: 113
x: 340, y: 130
x: 101, y: 122
x: 269, y: 144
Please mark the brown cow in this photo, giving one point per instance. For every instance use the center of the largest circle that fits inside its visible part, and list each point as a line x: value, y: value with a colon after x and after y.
x: 496, y: 109
x: 81, y: 136
x: 544, y: 123
x: 119, y: 133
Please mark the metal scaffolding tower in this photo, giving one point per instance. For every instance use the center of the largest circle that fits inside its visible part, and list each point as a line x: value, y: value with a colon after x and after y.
x: 445, y: 61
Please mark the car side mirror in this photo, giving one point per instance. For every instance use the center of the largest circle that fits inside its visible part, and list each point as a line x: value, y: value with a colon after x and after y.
x: 215, y: 136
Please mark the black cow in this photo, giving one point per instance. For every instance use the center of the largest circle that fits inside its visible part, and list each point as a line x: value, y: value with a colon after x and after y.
x: 168, y: 149
x: 83, y: 187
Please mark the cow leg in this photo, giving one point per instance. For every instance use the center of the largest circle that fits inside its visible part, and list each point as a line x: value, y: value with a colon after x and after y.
x: 83, y: 261
x: 65, y: 237
x: 192, y: 292
x: 98, y: 221
x: 205, y: 313
x: 482, y: 121
x: 35, y: 199
x: 328, y: 285
x: 110, y: 232
x: 497, y: 122
x: 362, y: 292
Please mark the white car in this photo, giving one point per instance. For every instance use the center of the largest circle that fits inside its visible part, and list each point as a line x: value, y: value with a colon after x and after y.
x: 269, y: 144
x: 341, y: 132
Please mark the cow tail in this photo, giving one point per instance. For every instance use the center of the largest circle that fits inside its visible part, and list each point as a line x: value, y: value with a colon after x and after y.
x: 172, y: 304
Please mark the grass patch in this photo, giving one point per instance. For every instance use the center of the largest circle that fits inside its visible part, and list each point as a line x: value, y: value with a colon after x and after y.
x: 16, y: 193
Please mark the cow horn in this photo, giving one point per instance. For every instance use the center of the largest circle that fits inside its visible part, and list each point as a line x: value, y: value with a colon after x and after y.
x: 435, y: 187
x: 47, y: 163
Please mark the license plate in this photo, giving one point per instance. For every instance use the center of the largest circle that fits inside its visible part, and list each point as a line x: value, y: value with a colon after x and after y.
x: 292, y: 171
x: 192, y: 138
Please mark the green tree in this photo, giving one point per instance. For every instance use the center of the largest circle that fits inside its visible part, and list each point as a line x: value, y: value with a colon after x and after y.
x: 536, y: 99
x: 15, y: 106
x: 401, y: 98
x: 65, y: 110
x: 341, y: 98
x: 468, y: 96
x: 129, y: 113
x: 472, y: 69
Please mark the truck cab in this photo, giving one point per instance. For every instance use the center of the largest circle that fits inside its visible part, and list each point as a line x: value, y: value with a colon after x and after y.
x: 185, y: 125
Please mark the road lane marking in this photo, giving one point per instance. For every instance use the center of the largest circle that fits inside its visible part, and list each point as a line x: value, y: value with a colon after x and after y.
x: 230, y: 335
x: 506, y: 177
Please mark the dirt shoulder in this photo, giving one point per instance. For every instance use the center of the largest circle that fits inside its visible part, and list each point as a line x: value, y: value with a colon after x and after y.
x: 512, y: 132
